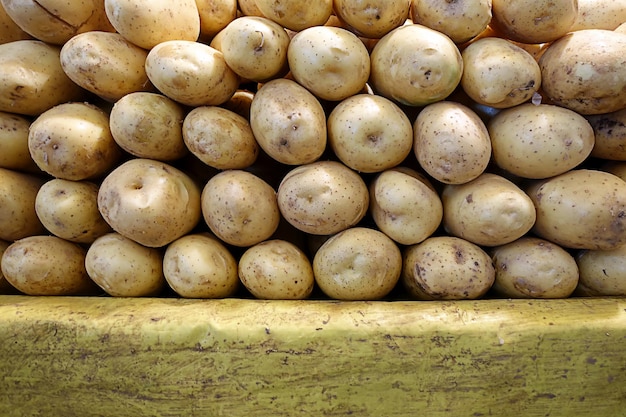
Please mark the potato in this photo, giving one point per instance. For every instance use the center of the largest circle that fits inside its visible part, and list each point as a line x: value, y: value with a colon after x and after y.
x: 199, y: 265
x: 215, y: 15
x: 610, y: 135
x: 124, y: 268
x: 249, y: 8
x: 459, y: 20
x: 498, y: 73
x: 32, y: 78
x: 539, y: 141
x: 451, y: 142
x: 5, y: 286
x: 329, y: 61
x: 530, y: 267
x: 585, y: 71
x: 404, y: 205
x: 581, y: 209
x: 357, y: 264
x: 296, y: 15
x: 372, y: 19
x: 621, y: 28
x: 395, y: 74
x: 150, y: 202
x: 147, y: 23
x: 73, y: 141
x: 323, y: 198
x: 369, y: 133
x: 191, y: 73
x: 148, y: 125
x: 18, y: 218
x: 240, y: 208
x: 488, y: 211
x: 69, y: 210
x: 534, y: 21
x: 600, y: 14
x: 47, y: 265
x: 602, y: 272
x: 240, y: 103
x: 276, y: 270
x: 9, y: 30
x: 446, y: 268
x: 254, y: 47
x: 288, y: 122
x: 14, y: 153
x: 220, y: 138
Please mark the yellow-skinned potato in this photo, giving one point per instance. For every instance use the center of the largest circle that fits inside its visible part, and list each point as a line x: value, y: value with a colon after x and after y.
x: 124, y: 268
x: 18, y: 218
x: 33, y: 79
x: 586, y: 71
x: 191, y: 73
x: 105, y: 64
x: 276, y: 270
x: 215, y: 15
x: 369, y: 133
x: 5, y: 286
x: 539, y: 141
x: 451, y: 142
x: 395, y: 75
x: 288, y: 122
x: 331, y: 62
x: 372, y: 19
x: 14, y: 153
x: 460, y: 20
x: 357, y: 264
x: 147, y: 23
x: 220, y: 138
x: 488, y: 211
x: 47, y: 265
x: 199, y: 265
x: 621, y: 28
x: 600, y: 14
x: 323, y: 198
x: 240, y: 208
x: 149, y: 201
x: 148, y: 125
x: 530, y: 267
x: 69, y: 210
x: 446, y: 268
x: 404, y: 205
x: 296, y: 14
x: 602, y: 272
x: 254, y: 47
x: 581, y: 209
x: 498, y: 73
x: 9, y: 30
x: 73, y: 141
x: 249, y: 8
x: 240, y: 103
x: 610, y: 135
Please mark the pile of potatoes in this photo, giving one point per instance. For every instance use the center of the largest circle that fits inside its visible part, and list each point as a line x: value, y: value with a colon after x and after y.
x: 334, y: 149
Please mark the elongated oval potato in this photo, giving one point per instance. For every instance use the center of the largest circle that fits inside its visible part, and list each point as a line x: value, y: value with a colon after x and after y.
x: 460, y: 20
x: 14, y: 153
x: 296, y: 15
x: 33, y: 79
x: 586, y: 71
x: 581, y: 209
x: 610, y: 135
x: 105, y: 64
x: 602, y: 272
x: 147, y: 23
x: 47, y: 265
x: 372, y: 19
x: 539, y: 141
x: 124, y: 268
x: 18, y: 218
x: 488, y: 211
x: 446, y: 268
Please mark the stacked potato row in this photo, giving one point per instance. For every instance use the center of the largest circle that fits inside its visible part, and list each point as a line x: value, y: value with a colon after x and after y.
x: 289, y: 149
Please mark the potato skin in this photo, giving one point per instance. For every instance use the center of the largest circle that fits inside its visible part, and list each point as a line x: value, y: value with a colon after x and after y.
x: 372, y: 20
x: 610, y: 135
x: 602, y: 272
x: 14, y: 153
x: 18, y: 218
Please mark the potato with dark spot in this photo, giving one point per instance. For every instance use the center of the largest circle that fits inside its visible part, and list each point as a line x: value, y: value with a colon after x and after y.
x: 610, y: 135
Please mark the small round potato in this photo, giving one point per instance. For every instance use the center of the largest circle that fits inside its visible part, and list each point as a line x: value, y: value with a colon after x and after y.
x: 451, y: 142
x: 276, y: 270
x: 488, y: 211
x: 369, y: 133
x: 357, y: 264
x: 288, y: 122
x: 14, y: 153
x: 602, y: 272
x: 296, y: 15
x: 148, y: 125
x: 372, y: 19
x: 18, y: 218
x: 610, y: 135
x: 200, y: 266
x: 240, y: 208
x: 220, y: 138
x: 124, y: 268
x: 530, y: 267
x: 404, y: 205
x: 150, y: 202
x: 331, y: 62
x: 323, y: 198
x: 73, y: 141
x: 539, y: 141
x: 47, y: 265
x: 460, y: 20
x: 446, y: 268
x: 215, y: 15
x: 69, y: 210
